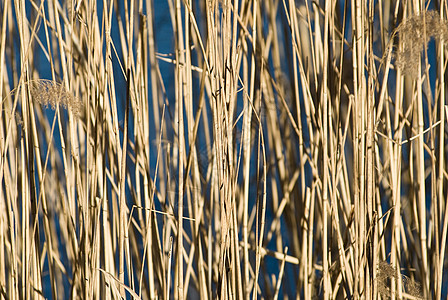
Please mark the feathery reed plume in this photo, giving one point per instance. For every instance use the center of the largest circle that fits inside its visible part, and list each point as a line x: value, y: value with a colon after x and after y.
x: 414, y: 34
x: 387, y: 272
x: 51, y: 93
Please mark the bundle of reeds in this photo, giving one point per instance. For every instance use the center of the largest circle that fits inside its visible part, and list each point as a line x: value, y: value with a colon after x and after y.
x: 223, y: 149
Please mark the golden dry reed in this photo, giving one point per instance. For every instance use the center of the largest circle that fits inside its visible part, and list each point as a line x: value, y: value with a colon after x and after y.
x: 183, y: 149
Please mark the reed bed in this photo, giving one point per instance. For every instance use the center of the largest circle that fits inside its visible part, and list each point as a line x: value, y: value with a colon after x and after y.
x: 223, y: 149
